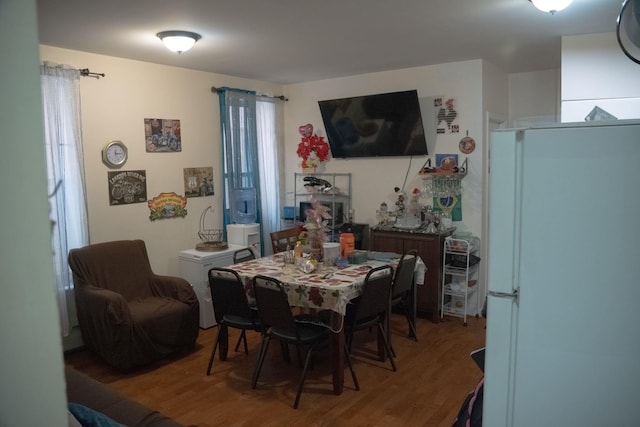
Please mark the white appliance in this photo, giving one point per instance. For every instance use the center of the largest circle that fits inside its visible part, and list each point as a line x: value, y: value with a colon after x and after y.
x: 564, y: 289
x: 246, y: 235
x: 194, y: 266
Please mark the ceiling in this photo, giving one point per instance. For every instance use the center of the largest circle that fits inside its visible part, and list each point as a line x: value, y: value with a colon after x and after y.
x: 292, y: 41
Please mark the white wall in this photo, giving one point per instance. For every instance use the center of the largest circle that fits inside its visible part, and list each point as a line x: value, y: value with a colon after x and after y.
x: 114, y: 107
x: 31, y: 369
x: 373, y: 179
x: 595, y: 72
x: 534, y: 98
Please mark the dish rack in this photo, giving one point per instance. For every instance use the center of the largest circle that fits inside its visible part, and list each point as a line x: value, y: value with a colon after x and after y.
x: 460, y: 265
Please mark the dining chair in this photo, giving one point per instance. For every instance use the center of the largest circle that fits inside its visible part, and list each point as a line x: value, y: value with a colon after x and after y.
x: 278, y: 322
x: 371, y: 308
x: 402, y: 290
x: 282, y: 239
x: 231, y: 308
x: 244, y: 254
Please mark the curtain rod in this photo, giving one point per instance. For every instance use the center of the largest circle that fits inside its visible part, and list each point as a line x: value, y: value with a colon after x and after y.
x: 85, y: 72
x: 281, y: 97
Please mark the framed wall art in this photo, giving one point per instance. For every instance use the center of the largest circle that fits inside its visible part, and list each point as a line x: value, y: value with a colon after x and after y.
x: 127, y: 187
x: 198, y: 182
x: 162, y: 135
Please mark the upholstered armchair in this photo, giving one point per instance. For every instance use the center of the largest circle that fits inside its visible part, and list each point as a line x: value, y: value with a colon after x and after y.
x: 128, y: 315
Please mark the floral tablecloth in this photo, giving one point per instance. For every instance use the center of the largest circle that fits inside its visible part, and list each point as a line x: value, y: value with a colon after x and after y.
x: 326, y: 288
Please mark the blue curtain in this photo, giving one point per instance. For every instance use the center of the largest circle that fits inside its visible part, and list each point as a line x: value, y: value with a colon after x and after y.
x: 240, y: 163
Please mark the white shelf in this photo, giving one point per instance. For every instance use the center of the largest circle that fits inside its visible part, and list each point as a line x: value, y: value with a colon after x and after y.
x: 460, y: 265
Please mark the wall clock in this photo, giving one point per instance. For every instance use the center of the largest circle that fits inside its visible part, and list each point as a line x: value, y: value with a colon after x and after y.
x: 114, y: 154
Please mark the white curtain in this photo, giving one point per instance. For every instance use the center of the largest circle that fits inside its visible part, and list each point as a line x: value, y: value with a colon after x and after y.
x: 270, y: 158
x: 65, y: 171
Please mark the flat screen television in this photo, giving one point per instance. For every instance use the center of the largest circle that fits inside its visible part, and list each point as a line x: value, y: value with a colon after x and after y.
x: 386, y: 124
x: 337, y: 216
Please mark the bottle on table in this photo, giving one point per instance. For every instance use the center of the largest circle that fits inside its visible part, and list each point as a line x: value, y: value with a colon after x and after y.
x: 297, y: 252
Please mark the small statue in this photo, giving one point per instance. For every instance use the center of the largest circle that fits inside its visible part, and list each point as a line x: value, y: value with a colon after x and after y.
x: 400, y: 204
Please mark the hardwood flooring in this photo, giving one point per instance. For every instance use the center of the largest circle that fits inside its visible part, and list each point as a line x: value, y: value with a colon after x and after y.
x: 434, y: 376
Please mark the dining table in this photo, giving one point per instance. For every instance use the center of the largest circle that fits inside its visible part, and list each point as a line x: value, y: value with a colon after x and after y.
x: 326, y: 288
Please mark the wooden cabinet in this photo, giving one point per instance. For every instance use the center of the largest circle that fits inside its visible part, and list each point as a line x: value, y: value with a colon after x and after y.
x: 430, y: 249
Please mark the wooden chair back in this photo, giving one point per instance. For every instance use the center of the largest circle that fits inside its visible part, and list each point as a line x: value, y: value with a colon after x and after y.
x: 283, y: 238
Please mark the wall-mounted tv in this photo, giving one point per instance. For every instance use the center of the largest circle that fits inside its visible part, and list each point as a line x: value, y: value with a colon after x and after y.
x: 386, y: 124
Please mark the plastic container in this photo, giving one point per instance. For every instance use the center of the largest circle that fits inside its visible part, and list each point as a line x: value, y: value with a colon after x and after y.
x: 347, y: 244
x: 243, y: 205
x: 358, y: 257
x: 330, y: 252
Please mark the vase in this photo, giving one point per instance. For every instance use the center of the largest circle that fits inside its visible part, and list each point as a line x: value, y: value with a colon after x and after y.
x: 315, y: 238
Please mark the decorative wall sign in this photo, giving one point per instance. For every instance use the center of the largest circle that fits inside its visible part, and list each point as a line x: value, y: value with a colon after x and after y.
x: 446, y: 116
x: 162, y: 135
x: 467, y: 144
x: 167, y: 205
x: 198, y: 182
x: 126, y: 187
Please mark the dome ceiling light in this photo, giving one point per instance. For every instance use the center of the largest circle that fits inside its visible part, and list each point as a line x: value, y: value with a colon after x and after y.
x: 178, y: 41
x: 551, y: 6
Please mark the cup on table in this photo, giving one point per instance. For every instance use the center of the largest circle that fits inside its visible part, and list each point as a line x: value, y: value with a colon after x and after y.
x: 287, y: 257
x: 331, y: 252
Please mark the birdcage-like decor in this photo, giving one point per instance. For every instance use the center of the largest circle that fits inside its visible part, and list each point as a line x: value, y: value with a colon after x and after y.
x: 211, y: 238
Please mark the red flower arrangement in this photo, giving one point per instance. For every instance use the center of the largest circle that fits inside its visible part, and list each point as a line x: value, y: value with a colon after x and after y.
x: 313, y: 149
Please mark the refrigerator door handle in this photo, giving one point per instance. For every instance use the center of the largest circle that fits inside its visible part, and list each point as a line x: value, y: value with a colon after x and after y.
x: 515, y: 295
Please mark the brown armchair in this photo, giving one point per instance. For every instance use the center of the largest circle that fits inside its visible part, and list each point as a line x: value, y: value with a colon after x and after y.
x: 128, y: 315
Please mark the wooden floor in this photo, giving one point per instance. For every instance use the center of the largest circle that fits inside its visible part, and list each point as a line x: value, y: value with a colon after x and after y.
x: 434, y: 376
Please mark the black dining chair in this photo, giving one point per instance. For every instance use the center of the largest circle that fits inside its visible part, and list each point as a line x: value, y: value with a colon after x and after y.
x: 278, y: 322
x: 402, y: 290
x: 244, y: 254
x: 371, y: 308
x: 231, y: 308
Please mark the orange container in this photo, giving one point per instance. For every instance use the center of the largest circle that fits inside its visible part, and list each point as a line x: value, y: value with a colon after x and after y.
x: 347, y: 244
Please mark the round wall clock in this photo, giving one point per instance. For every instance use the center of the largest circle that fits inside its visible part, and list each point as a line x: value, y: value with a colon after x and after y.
x: 114, y: 154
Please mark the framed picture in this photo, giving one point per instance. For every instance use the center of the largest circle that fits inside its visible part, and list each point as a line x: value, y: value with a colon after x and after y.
x: 127, y: 187
x: 162, y: 135
x: 198, y: 182
x: 446, y: 162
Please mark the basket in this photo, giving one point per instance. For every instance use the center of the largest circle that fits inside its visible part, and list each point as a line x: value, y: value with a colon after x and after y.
x: 210, y: 235
x: 211, y: 238
x: 460, y: 261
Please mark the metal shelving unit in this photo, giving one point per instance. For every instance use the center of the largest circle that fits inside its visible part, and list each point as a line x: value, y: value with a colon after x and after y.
x: 460, y: 265
x: 338, y: 197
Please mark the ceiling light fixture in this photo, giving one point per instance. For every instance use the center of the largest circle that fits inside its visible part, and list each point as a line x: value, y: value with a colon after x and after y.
x: 551, y: 6
x: 178, y: 41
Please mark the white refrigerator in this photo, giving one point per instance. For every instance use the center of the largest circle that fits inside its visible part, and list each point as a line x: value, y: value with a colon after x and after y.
x: 563, y: 313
